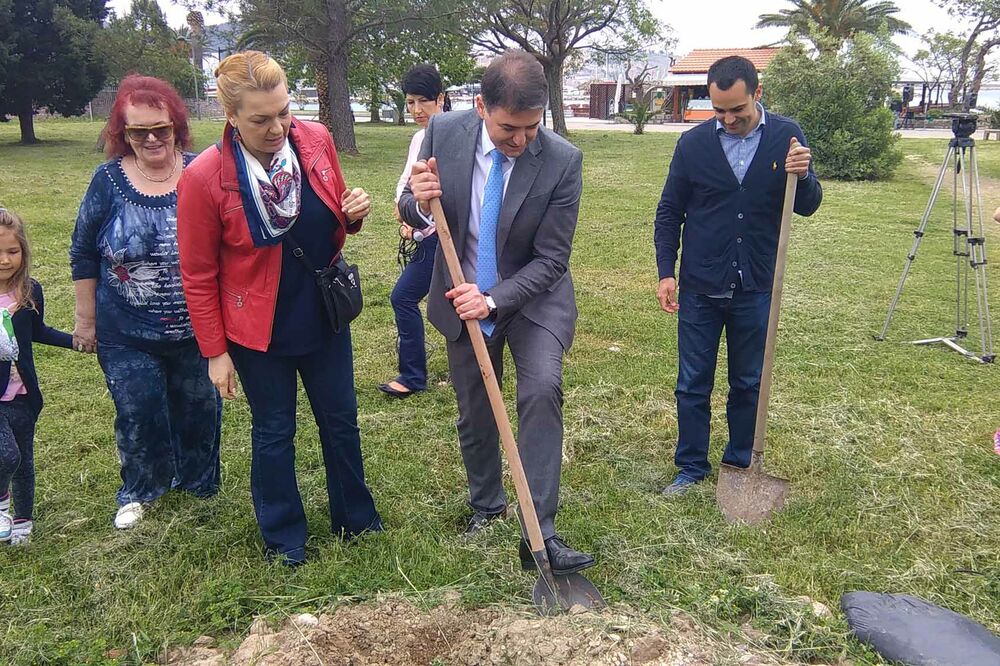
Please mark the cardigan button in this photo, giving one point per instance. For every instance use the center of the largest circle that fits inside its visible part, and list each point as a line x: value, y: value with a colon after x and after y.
x: 735, y: 264
x: 740, y: 216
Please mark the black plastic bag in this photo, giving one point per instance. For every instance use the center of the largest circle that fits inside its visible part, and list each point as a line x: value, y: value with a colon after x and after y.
x: 915, y: 632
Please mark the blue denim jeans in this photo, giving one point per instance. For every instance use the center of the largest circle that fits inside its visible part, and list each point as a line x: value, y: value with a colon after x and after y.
x: 701, y: 321
x: 411, y: 288
x: 271, y: 387
x: 168, y: 424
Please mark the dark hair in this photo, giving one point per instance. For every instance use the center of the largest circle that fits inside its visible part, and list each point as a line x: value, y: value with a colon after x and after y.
x: 725, y: 72
x: 423, y: 80
x: 516, y: 82
x: 144, y: 91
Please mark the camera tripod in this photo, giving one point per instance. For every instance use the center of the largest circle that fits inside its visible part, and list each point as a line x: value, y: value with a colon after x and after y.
x: 968, y: 245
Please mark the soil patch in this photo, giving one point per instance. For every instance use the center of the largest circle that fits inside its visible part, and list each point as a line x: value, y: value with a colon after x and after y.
x: 393, y: 632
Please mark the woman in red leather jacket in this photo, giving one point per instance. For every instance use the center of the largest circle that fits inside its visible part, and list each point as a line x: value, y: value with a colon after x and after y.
x: 272, y: 183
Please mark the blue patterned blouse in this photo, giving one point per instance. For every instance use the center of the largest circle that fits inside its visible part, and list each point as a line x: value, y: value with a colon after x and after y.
x: 127, y: 241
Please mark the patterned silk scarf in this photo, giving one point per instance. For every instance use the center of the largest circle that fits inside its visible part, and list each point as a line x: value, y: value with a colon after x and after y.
x: 271, y: 199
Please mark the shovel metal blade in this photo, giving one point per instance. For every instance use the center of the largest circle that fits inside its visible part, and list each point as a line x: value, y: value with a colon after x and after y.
x: 570, y: 590
x: 749, y: 495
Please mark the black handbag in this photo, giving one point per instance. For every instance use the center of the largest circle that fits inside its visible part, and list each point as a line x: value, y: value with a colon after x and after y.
x: 339, y: 285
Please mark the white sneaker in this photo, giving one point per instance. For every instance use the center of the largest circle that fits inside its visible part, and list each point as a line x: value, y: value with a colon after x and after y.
x: 6, y: 526
x: 128, y: 515
x: 21, y: 532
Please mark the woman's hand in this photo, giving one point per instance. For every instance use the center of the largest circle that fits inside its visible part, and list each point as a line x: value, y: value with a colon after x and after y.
x: 355, y: 204
x: 85, y: 335
x: 405, y: 231
x: 223, y: 375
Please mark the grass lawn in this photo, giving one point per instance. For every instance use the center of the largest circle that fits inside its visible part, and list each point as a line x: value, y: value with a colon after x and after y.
x: 895, y: 486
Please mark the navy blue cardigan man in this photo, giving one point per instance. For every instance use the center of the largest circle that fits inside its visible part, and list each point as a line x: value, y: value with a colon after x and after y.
x: 725, y: 191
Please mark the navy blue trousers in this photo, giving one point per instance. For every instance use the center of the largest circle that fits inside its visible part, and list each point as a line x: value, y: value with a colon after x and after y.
x: 17, y: 459
x: 701, y: 321
x: 269, y: 382
x: 168, y: 425
x: 411, y: 288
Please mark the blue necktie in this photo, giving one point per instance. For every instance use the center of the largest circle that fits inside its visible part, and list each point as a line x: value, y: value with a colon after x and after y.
x: 489, y: 219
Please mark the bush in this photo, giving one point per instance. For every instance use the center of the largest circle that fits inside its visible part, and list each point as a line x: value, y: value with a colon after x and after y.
x: 638, y: 115
x: 838, y: 97
x: 991, y: 118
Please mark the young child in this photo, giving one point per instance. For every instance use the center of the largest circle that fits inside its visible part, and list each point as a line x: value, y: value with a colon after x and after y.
x: 21, y: 323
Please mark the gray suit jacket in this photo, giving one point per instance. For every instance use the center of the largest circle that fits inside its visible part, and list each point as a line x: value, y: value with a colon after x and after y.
x: 535, y: 234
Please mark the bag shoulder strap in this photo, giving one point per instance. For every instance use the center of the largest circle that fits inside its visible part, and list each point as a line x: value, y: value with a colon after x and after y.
x: 297, y: 251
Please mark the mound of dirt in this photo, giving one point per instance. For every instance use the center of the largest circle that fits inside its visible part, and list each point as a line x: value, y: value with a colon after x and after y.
x: 395, y: 633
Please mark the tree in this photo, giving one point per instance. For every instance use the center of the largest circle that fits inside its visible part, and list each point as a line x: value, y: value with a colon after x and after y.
x: 327, y: 30
x: 551, y: 30
x: 838, y: 97
x: 51, y: 58
x: 6, y: 42
x: 141, y: 42
x: 980, y: 69
x: 384, y: 57
x: 840, y: 19
x: 937, y: 64
x: 985, y: 18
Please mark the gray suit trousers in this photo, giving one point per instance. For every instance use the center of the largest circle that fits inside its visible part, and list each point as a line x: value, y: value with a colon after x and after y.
x: 538, y: 359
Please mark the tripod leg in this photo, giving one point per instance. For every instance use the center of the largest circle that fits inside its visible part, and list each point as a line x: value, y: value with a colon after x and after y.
x: 960, y: 245
x: 978, y: 263
x: 918, y: 236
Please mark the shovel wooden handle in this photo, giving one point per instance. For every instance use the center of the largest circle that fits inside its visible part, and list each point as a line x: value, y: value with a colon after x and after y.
x: 492, y: 388
x: 772, y: 320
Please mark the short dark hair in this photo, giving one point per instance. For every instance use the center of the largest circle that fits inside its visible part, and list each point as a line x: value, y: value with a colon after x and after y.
x: 725, y: 72
x: 516, y: 82
x: 423, y: 80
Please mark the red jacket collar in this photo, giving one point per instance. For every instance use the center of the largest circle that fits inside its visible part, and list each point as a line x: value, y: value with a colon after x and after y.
x: 305, y: 143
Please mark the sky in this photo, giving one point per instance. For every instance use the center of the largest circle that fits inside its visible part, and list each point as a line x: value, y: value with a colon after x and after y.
x: 716, y: 24
x: 730, y: 22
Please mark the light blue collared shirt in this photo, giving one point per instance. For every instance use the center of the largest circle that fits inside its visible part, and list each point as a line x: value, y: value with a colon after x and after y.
x: 740, y: 150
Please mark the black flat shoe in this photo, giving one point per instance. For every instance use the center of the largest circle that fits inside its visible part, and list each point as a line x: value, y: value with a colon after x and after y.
x: 480, y: 521
x: 563, y: 559
x: 394, y: 393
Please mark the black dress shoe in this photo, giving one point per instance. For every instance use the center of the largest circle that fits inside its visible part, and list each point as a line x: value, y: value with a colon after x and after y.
x: 563, y: 559
x: 480, y: 521
x: 389, y: 391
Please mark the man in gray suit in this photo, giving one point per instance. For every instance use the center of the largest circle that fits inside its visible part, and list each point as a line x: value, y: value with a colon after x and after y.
x: 511, y: 192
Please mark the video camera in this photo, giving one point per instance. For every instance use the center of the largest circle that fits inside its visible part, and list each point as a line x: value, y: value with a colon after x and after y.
x: 962, y: 124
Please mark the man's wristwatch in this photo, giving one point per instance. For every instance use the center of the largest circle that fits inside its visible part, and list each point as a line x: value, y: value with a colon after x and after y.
x: 492, y: 305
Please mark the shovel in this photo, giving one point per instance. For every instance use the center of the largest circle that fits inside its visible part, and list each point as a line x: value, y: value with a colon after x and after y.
x: 751, y: 495
x: 550, y: 593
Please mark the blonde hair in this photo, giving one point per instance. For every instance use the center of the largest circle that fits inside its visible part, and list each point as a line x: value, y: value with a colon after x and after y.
x: 246, y: 70
x: 19, y: 283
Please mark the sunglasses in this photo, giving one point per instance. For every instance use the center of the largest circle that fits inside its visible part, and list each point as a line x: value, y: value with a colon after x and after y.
x: 138, y: 133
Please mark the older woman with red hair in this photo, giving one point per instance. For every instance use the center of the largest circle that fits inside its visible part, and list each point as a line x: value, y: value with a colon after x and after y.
x: 130, y: 305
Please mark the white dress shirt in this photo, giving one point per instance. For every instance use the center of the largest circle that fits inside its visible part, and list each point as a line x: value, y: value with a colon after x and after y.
x: 411, y: 159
